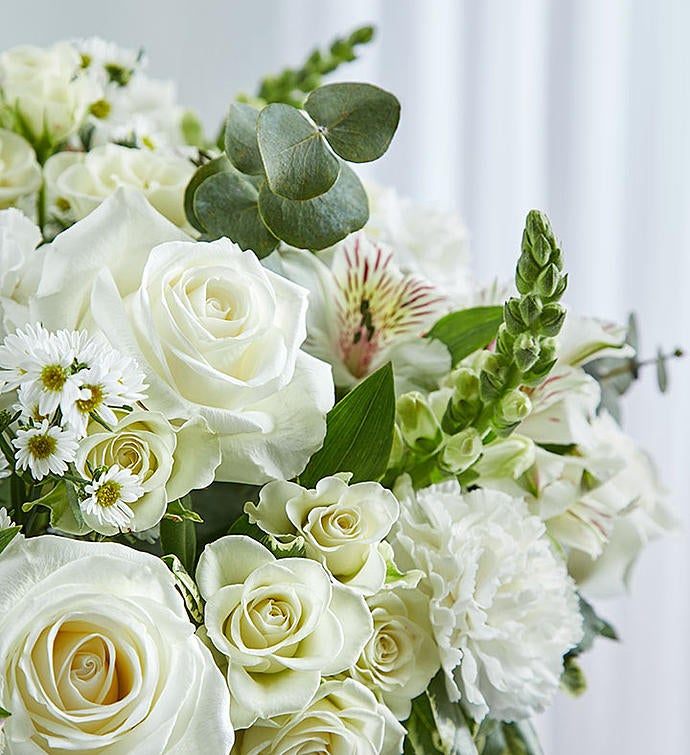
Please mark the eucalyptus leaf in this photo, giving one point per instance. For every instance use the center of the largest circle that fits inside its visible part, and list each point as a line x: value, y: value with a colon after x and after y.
x: 179, y: 539
x: 7, y: 536
x: 241, y: 143
x: 661, y: 373
x: 359, y: 432
x: 467, y: 330
x: 594, y: 626
x: 297, y: 161
x: 217, y: 165
x: 358, y: 120
x: 226, y: 204
x: 320, y: 222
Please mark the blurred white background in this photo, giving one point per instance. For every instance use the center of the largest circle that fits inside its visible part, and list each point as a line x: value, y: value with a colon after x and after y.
x: 580, y: 108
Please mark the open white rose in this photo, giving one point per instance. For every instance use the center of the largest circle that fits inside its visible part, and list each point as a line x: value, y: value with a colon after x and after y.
x: 216, y: 334
x: 342, y: 525
x: 282, y: 624
x: 48, y: 90
x: 503, y: 608
x: 20, y: 173
x: 85, y: 182
x: 343, y: 717
x: 168, y: 461
x: 97, y: 655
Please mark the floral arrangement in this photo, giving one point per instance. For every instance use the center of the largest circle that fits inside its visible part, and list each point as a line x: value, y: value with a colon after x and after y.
x: 278, y: 474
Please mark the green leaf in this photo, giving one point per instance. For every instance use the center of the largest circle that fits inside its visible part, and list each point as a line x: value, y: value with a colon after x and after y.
x: 661, y: 373
x: 179, y: 539
x: 63, y: 502
x: 451, y: 723
x: 178, y: 510
x: 192, y: 130
x: 468, y: 330
x: 287, y: 547
x: 422, y: 736
x: 4, y: 713
x: 359, y: 432
x: 241, y: 144
x: 358, y: 120
x: 226, y: 204
x: 573, y: 680
x: 594, y: 626
x: 518, y: 738
x: 298, y: 163
x: 187, y: 587
x: 6, y: 537
x: 320, y: 222
x: 217, y: 165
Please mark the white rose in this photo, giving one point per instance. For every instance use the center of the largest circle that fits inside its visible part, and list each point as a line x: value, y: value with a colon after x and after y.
x: 401, y: 657
x: 19, y: 268
x: 342, y: 526
x: 20, y: 173
x: 343, y: 717
x: 97, y: 655
x: 281, y: 623
x: 168, y: 461
x: 503, y: 608
x: 84, y: 183
x: 217, y: 335
x: 47, y: 89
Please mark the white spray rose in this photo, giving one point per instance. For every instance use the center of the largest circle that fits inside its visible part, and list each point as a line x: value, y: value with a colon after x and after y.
x: 342, y: 526
x: 47, y: 89
x: 85, y: 182
x: 20, y: 173
x: 216, y: 334
x: 343, y: 717
x: 503, y: 608
x: 168, y: 461
x: 97, y: 655
x: 281, y: 623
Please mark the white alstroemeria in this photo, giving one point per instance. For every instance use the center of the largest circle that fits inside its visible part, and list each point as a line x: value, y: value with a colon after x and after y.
x: 364, y: 312
x: 401, y: 656
x: 97, y: 654
x: 168, y: 461
x: 427, y: 242
x: 343, y: 717
x: 107, y: 505
x: 282, y: 624
x: 85, y: 182
x: 20, y: 173
x: 583, y: 339
x: 45, y: 450
x: 48, y: 89
x: 641, y: 515
x: 5, y: 520
x: 342, y: 525
x: 503, y: 608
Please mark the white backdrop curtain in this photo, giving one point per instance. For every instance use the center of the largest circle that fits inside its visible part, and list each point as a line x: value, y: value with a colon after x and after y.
x: 577, y: 107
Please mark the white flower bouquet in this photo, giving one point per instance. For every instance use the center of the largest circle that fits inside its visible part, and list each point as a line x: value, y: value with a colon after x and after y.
x: 277, y: 474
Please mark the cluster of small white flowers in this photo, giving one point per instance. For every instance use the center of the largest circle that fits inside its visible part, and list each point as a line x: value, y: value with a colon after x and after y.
x: 63, y: 380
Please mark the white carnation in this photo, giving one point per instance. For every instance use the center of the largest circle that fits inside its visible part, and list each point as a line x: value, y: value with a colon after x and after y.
x: 503, y: 608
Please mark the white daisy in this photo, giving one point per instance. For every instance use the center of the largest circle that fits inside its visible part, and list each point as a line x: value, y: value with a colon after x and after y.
x: 45, y: 450
x: 106, y: 507
x: 5, y: 470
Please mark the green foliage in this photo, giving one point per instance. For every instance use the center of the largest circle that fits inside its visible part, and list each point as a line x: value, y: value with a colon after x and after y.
x: 240, y: 140
x: 192, y: 130
x: 178, y: 538
x: 4, y: 713
x: 573, y: 679
x: 467, y: 331
x: 6, y: 537
x: 217, y: 165
x: 285, y: 547
x: 359, y: 432
x: 518, y: 738
x: 594, y: 626
x: 62, y: 500
x: 291, y: 85
x: 180, y: 509
x: 187, y: 588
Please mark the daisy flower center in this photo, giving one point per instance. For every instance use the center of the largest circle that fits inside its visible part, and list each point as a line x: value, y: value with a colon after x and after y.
x: 108, y: 494
x: 88, y: 405
x: 53, y: 377
x: 42, y: 446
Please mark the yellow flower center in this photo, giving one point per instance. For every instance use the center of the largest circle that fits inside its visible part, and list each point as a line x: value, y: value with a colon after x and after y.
x: 41, y: 446
x: 88, y: 405
x: 53, y: 377
x: 109, y: 493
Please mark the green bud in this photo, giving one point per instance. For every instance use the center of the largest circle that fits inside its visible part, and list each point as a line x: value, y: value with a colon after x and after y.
x: 541, y: 250
x: 418, y: 424
x: 461, y: 451
x: 552, y: 319
x: 506, y: 458
x: 513, y: 408
x: 361, y: 36
x: 526, y: 351
x: 557, y: 258
x: 547, y: 281
x: 528, y: 269
x: 465, y: 402
x: 522, y: 284
x: 512, y: 317
x: 465, y: 384
x: 560, y: 288
x: 397, y: 449
x: 504, y: 340
x: 530, y: 308
x: 490, y: 386
x: 100, y: 109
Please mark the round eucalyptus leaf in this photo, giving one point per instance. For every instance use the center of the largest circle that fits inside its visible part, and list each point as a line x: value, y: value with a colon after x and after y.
x: 240, y: 138
x: 218, y: 165
x: 298, y: 162
x: 227, y: 205
x: 358, y: 120
x: 319, y: 222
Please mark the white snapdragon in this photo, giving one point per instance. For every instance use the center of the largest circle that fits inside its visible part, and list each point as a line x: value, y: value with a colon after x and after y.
x: 503, y: 608
x: 45, y: 449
